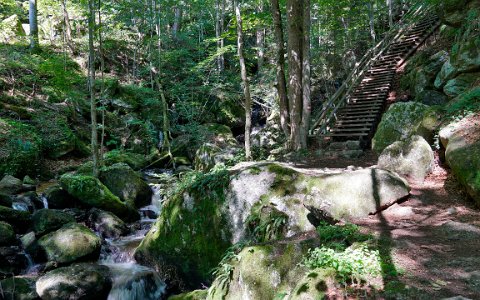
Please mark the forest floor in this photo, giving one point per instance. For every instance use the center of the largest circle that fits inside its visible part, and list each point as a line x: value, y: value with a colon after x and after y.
x: 433, y: 238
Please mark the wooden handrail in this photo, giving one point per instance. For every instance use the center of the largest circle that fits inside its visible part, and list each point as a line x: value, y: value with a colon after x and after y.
x: 340, y: 98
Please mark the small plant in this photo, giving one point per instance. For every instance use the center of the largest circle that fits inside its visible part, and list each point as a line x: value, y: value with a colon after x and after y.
x: 266, y: 224
x: 355, y: 264
x: 340, y: 236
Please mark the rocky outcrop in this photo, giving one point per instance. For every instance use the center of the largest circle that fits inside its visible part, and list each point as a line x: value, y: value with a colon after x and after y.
x: 92, y: 193
x: 261, y: 202
x: 462, y: 144
x: 404, y: 120
x: 411, y: 158
x: 72, y: 242
x: 80, y: 281
x: 126, y: 184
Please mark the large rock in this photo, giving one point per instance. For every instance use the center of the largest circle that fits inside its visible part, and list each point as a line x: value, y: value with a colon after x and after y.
x: 72, y: 242
x: 126, y: 184
x: 58, y: 198
x: 11, y: 185
x: 106, y: 223
x: 209, y: 155
x: 21, y: 220
x: 6, y: 200
x: 424, y: 75
x: 263, y: 202
x: 7, y: 235
x: 91, y: 192
x: 432, y: 97
x: 412, y: 158
x: 48, y: 220
x: 19, y: 288
x: 460, y: 84
x: 462, y: 144
x: 77, y: 282
x: 466, y: 52
x: 404, y: 120
x: 446, y: 73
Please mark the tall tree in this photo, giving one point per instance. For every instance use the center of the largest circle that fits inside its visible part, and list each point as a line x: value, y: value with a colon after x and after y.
x: 219, y: 29
x: 91, y: 81
x: 306, y: 69
x: 68, y: 27
x: 246, y: 84
x: 280, y: 68
x: 32, y: 18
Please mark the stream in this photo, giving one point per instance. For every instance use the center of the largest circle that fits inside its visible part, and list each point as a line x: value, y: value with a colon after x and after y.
x: 130, y: 281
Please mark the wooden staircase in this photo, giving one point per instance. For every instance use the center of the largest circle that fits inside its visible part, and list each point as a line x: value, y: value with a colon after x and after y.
x: 354, y: 112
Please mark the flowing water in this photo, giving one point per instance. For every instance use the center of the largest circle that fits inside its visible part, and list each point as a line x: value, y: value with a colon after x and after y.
x: 130, y: 281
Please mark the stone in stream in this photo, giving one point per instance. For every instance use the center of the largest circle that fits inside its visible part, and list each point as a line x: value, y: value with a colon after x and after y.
x: 19, y: 288
x: 198, y: 224
x: 58, y: 198
x: 92, y: 193
x: 20, y: 220
x: 7, y: 235
x: 106, y: 223
x: 75, y: 282
x: 70, y: 243
x: 126, y: 184
x: 11, y: 185
x: 48, y: 220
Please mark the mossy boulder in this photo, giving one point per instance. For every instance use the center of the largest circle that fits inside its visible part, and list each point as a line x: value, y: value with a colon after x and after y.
x: 6, y: 200
x: 126, y: 184
x: 48, y: 220
x: 193, y: 295
x: 432, y: 97
x: 135, y: 160
x: 262, y: 202
x: 209, y: 155
x: 106, y: 224
x: 7, y: 235
x: 463, y: 153
x: 10, y: 185
x: 21, y: 220
x: 76, y: 282
x: 446, y: 73
x: 92, y: 193
x: 412, y: 158
x: 19, y: 288
x: 20, y: 149
x: 466, y: 52
x: 271, y: 271
x: 460, y: 84
x: 425, y: 74
x: 70, y: 243
x: 404, y: 120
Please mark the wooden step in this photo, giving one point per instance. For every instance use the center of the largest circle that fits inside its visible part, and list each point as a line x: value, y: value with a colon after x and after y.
x: 357, y: 103
x: 359, y: 130
x: 360, y: 121
x: 346, y: 134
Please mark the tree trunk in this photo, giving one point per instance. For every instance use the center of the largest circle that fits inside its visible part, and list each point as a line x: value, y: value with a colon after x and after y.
x: 246, y: 86
x: 280, y: 61
x: 219, y: 20
x: 306, y: 107
x: 91, y: 81
x: 32, y: 17
x: 295, y: 62
x: 260, y: 42
x: 390, y: 13
x: 177, y: 21
x: 371, y: 17
x: 68, y: 27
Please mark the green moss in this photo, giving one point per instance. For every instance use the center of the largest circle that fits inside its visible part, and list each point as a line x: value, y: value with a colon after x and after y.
x: 20, y: 149
x: 191, y: 232
x: 48, y: 220
x: 134, y: 160
x: 91, y: 192
x: 194, y: 295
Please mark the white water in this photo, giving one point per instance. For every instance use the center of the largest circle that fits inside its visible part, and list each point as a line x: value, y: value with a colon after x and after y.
x: 45, y: 201
x: 132, y: 281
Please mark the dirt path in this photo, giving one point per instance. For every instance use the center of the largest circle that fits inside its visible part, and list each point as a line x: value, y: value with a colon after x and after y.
x: 435, y: 240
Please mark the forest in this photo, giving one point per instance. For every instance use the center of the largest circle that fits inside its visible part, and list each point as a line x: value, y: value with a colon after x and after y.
x: 243, y: 149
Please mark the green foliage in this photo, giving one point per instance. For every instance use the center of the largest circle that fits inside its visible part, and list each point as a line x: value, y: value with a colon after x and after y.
x: 465, y: 104
x: 266, y: 224
x: 355, y: 264
x: 340, y: 236
x: 20, y: 149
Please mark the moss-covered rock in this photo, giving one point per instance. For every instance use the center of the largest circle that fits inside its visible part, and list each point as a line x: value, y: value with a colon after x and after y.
x: 91, y: 192
x: 432, y: 97
x: 135, y: 160
x: 21, y: 220
x: 261, y: 202
x: 48, y: 220
x: 106, y: 223
x: 7, y: 235
x: 463, y: 153
x: 6, y: 200
x: 80, y: 281
x: 446, y: 73
x: 210, y: 155
x: 466, y: 51
x: 404, y: 120
x: 20, y: 149
x: 19, y: 288
x: 72, y: 242
x: 460, y: 84
x: 10, y: 185
x: 412, y: 158
x: 126, y: 184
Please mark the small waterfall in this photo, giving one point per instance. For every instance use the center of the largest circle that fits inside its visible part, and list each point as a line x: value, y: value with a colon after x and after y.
x: 44, y: 201
x: 132, y: 281
x: 22, y: 206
